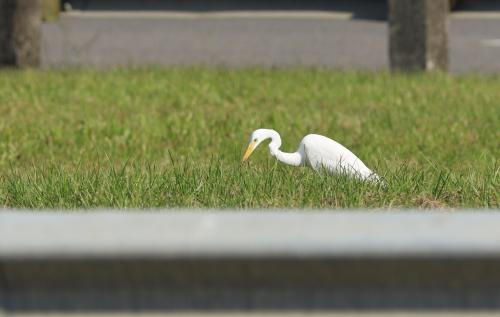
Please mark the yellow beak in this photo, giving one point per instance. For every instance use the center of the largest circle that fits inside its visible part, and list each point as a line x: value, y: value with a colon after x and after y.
x: 249, y: 151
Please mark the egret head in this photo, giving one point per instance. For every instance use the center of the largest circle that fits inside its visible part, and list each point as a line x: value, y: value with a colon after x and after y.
x: 256, y: 138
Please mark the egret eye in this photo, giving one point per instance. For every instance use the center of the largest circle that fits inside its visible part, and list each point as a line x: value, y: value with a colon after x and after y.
x: 255, y: 140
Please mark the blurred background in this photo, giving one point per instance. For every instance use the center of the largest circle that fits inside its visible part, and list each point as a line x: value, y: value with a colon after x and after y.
x: 337, y: 33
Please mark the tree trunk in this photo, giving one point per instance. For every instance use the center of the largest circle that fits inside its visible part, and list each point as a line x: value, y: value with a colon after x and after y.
x: 418, y: 35
x: 20, y: 22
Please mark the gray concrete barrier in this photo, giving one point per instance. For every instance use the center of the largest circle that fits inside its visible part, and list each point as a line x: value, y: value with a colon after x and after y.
x: 178, y: 261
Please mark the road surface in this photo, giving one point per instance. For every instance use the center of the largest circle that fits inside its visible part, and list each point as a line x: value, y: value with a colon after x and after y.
x: 324, y: 38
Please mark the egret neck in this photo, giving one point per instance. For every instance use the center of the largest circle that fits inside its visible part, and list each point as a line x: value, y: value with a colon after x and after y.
x: 294, y: 159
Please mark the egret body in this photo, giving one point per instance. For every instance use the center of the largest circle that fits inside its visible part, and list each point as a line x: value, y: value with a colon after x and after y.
x: 316, y: 151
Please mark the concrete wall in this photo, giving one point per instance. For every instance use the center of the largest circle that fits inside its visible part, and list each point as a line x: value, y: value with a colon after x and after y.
x: 248, y: 261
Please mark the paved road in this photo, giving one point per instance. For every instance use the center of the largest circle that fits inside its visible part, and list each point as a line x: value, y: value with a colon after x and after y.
x: 337, y: 39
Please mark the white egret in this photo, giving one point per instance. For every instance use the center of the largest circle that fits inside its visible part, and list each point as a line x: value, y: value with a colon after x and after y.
x: 315, y: 151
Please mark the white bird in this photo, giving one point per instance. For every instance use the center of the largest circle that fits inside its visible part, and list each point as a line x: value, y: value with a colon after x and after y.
x: 316, y: 151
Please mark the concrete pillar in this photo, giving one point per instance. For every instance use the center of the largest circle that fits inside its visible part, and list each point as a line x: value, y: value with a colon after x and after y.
x: 418, y: 34
x: 20, y: 22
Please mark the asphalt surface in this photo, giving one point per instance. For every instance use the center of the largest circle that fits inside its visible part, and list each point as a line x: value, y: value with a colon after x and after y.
x: 241, y: 37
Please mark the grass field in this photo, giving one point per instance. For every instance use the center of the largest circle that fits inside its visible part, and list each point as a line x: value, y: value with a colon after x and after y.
x: 174, y: 137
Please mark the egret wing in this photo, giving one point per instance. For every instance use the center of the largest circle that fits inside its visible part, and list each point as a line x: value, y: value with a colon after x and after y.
x: 325, y: 153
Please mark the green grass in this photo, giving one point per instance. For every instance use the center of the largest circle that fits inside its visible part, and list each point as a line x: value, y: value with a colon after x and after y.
x: 174, y: 137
